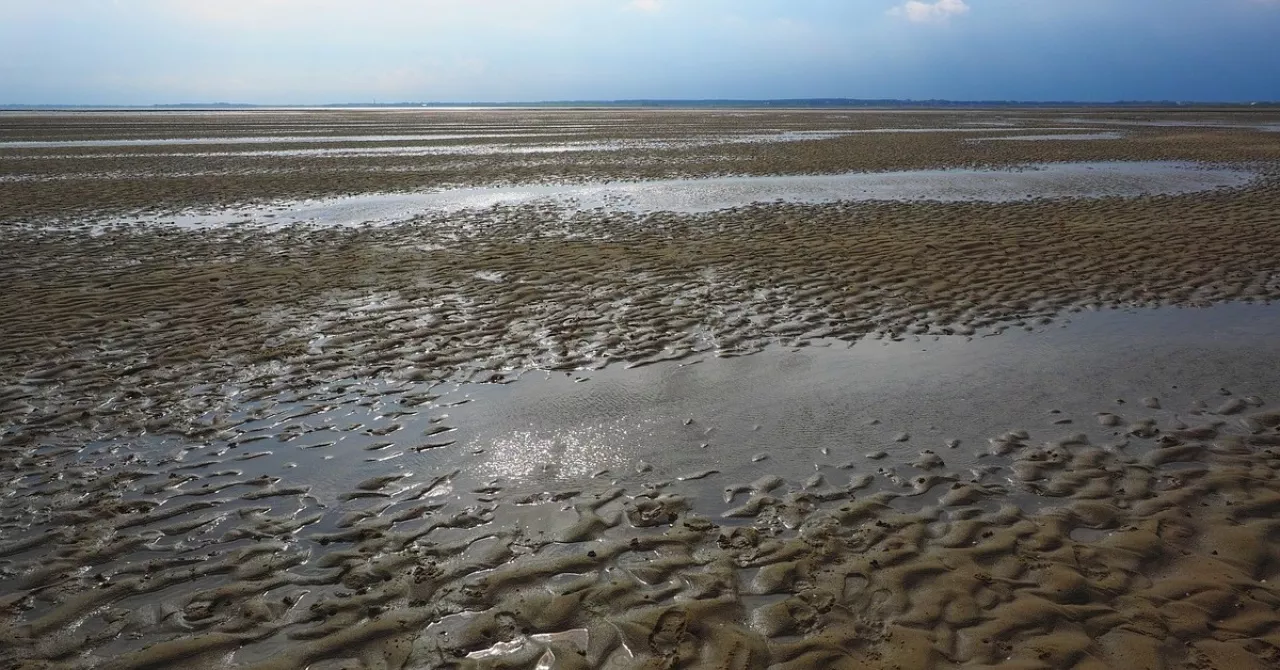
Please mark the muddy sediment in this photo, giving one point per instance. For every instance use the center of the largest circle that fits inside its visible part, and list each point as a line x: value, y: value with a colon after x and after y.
x: 1153, y: 547
x: 258, y: 444
x: 141, y: 318
x: 671, y: 145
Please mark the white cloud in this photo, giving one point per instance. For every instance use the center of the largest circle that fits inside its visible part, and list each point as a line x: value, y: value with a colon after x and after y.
x: 646, y: 5
x: 918, y: 11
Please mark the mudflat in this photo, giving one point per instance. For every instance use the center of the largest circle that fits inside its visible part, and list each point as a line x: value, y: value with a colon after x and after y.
x: 570, y: 388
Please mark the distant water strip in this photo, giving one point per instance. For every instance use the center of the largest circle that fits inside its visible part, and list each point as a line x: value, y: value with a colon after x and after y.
x: 692, y: 196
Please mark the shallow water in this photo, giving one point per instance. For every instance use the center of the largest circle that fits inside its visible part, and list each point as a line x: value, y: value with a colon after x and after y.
x: 1172, y: 123
x: 689, y: 196
x: 260, y: 139
x: 439, y: 512
x: 564, y: 483
x: 494, y: 133
x: 794, y: 403
x: 1044, y: 138
x: 820, y: 408
x: 484, y: 149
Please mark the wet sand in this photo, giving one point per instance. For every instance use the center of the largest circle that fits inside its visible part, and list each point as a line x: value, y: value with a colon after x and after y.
x: 771, y: 431
x: 712, y: 194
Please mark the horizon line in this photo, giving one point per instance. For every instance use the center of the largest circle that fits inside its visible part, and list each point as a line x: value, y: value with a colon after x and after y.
x: 660, y: 102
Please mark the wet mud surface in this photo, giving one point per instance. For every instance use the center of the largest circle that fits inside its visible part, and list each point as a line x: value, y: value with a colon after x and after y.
x: 712, y: 194
x: 596, y: 429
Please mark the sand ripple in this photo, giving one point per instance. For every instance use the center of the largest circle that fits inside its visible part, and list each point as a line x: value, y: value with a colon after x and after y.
x: 244, y: 446
x: 1154, y: 549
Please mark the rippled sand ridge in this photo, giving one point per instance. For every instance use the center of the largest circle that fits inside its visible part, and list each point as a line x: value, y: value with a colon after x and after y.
x: 640, y: 388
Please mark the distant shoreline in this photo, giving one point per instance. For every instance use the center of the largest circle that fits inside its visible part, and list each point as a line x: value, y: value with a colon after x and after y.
x: 798, y: 103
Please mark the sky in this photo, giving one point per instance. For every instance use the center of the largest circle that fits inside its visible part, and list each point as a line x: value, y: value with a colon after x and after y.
x: 127, y: 52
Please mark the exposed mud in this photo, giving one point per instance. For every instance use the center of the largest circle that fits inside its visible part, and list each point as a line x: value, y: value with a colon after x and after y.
x: 575, y: 433
x: 1155, y: 547
x: 603, y: 145
x: 696, y: 196
x: 138, y: 318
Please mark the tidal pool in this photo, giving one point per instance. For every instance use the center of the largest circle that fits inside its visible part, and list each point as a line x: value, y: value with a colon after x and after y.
x: 692, y: 196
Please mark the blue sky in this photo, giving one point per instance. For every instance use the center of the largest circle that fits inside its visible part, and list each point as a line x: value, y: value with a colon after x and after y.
x: 321, y: 51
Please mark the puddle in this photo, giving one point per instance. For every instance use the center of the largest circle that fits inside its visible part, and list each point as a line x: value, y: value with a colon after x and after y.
x: 821, y: 409
x: 705, y: 421
x: 690, y: 196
